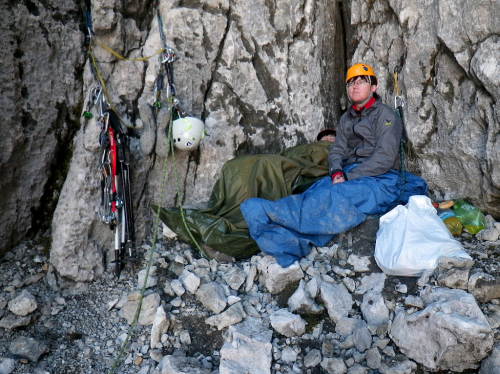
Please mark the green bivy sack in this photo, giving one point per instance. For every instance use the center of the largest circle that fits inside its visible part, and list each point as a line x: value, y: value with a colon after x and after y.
x: 269, y: 176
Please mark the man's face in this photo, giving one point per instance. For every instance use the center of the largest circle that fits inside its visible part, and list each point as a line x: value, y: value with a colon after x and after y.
x: 359, y: 89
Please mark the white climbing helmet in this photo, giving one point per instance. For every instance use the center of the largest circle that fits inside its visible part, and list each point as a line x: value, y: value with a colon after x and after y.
x: 188, y: 133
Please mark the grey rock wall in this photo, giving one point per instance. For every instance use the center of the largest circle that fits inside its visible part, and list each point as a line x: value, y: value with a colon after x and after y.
x: 450, y: 84
x: 262, y: 75
x: 40, y: 93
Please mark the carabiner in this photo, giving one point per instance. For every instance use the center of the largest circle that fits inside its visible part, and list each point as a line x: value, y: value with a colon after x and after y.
x: 105, y: 122
x: 168, y: 56
x: 398, y: 101
x: 95, y: 93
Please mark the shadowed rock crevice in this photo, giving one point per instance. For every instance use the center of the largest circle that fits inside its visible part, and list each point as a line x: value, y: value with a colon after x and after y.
x: 64, y: 127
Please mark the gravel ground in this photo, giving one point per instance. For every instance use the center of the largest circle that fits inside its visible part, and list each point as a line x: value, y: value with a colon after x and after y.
x: 83, y: 333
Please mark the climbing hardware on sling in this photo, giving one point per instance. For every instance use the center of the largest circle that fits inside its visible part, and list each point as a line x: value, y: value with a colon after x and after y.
x: 183, y: 131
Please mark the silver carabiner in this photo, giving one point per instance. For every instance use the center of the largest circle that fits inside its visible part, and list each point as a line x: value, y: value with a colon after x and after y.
x: 398, y: 101
x: 95, y: 93
x: 105, y: 122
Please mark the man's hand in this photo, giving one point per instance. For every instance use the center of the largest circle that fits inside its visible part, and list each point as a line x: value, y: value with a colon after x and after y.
x: 338, y: 179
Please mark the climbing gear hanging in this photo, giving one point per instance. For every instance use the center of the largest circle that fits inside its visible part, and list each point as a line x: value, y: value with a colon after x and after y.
x: 166, y: 68
x: 398, y: 100
x: 116, y: 207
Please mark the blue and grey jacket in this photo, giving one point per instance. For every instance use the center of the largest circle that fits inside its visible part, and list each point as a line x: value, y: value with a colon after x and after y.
x: 369, y: 138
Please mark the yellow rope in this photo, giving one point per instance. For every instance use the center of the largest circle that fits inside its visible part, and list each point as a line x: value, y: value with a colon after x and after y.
x: 128, y: 59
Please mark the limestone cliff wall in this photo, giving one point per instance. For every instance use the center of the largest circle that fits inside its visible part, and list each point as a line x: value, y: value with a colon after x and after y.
x: 40, y: 98
x: 263, y: 75
x: 450, y: 83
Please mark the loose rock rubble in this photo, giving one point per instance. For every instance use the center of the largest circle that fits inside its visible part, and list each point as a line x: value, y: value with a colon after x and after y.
x: 332, y: 312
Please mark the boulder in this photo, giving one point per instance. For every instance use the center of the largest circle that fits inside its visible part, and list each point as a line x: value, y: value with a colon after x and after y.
x: 441, y: 336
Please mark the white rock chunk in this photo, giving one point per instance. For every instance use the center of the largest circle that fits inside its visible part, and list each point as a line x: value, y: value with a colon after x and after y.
x: 247, y: 349
x: 287, y: 323
x: 231, y: 316
x: 190, y: 281
x: 23, y: 304
x: 334, y: 366
x: 337, y: 299
x: 276, y: 278
x: 312, y: 358
x: 212, y: 296
x: 360, y: 264
x: 234, y: 277
x: 177, y: 287
x: 160, y: 326
x: 141, y: 276
x: 147, y: 315
x: 374, y: 310
x: 302, y: 302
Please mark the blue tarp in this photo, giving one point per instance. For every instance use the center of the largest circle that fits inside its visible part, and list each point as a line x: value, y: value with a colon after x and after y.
x: 289, y: 227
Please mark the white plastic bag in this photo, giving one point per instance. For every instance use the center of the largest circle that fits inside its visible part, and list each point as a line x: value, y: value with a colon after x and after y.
x: 411, y: 239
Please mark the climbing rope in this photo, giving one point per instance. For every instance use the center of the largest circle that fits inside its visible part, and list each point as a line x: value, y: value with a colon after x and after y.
x: 161, y: 50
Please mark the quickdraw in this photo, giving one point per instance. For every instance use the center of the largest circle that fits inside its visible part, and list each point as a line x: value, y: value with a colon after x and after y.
x: 166, y: 67
x: 398, y: 100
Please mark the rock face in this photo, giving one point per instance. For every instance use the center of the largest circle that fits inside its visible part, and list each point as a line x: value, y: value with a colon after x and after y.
x: 40, y: 97
x: 449, y: 84
x: 260, y: 82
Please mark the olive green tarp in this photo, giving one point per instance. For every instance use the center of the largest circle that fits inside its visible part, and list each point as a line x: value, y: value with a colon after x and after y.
x: 222, y: 226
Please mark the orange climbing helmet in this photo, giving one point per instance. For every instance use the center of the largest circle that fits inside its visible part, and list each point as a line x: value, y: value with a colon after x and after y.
x: 360, y: 70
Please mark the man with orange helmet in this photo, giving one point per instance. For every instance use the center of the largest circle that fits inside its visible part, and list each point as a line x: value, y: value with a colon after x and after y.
x: 369, y: 132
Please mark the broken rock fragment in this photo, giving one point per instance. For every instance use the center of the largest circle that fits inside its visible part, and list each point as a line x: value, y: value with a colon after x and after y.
x: 247, y: 348
x: 440, y: 336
